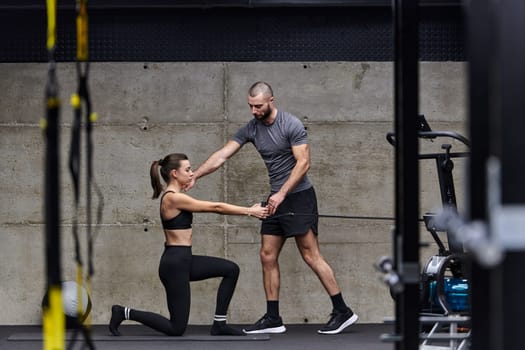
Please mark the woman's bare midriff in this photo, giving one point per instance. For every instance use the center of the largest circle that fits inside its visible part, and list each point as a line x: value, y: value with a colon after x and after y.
x: 178, y: 237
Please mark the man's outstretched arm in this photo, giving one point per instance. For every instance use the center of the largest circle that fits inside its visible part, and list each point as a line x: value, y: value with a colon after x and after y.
x: 214, y: 162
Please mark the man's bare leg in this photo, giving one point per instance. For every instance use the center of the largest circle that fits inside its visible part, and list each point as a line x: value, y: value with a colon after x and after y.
x: 342, y: 316
x: 271, y: 322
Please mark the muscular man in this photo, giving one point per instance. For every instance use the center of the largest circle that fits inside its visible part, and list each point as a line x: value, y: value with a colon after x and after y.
x: 281, y: 140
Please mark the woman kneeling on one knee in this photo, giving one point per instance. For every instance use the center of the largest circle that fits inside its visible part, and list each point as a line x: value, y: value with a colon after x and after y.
x: 178, y: 266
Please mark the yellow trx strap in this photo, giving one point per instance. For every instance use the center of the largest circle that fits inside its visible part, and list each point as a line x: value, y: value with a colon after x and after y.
x: 54, y: 320
x: 51, y: 24
x: 82, y: 30
x: 53, y: 317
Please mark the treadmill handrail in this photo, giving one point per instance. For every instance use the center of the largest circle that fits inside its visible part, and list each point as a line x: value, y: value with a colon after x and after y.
x: 390, y: 136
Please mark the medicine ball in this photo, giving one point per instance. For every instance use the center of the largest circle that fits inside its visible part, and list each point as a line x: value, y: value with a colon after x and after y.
x: 70, y: 303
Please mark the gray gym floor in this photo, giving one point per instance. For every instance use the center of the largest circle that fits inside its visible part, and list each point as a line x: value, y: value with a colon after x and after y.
x: 300, y: 337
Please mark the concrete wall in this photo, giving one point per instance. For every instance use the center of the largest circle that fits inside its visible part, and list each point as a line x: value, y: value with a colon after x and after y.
x: 149, y: 110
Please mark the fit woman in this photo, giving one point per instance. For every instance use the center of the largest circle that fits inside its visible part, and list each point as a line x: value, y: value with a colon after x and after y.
x: 178, y: 266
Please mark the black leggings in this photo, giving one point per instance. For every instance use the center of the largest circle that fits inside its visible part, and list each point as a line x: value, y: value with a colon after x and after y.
x: 177, y: 268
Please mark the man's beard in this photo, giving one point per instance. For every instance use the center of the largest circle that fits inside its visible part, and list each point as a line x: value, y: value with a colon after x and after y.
x: 266, y: 115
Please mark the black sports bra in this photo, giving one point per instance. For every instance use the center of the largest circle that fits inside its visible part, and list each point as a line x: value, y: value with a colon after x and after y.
x: 180, y: 222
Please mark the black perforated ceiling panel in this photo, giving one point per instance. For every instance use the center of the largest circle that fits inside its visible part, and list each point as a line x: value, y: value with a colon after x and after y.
x: 231, y: 34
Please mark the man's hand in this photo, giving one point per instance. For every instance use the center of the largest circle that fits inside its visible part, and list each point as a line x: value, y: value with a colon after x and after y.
x: 214, y: 162
x: 274, y: 201
x: 190, y: 184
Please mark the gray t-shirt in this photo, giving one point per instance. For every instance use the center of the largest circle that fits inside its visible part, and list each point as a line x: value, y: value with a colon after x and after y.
x: 274, y: 143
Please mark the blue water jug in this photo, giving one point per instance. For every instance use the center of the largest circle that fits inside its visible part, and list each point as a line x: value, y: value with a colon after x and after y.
x: 456, y: 293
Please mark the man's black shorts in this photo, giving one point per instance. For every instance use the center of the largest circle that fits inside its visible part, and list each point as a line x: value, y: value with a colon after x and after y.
x: 303, y: 215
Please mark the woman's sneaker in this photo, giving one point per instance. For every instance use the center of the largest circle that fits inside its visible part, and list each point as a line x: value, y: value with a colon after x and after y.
x: 338, y: 321
x: 221, y: 328
x: 117, y: 316
x: 266, y: 324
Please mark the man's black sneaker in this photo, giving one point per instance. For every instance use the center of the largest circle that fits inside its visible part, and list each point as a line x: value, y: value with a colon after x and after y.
x: 266, y: 324
x: 338, y: 321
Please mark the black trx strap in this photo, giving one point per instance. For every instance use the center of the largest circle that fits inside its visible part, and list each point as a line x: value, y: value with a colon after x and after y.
x: 353, y: 217
x: 82, y: 106
x: 83, y: 97
x: 53, y: 314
